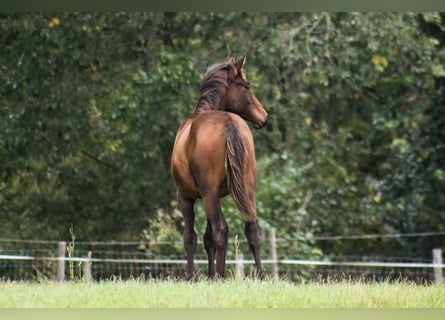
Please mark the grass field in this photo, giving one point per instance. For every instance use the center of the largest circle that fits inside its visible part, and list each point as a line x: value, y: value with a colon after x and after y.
x: 220, y: 294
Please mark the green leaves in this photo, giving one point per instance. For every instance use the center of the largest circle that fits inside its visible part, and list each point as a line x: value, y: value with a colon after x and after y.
x: 91, y: 102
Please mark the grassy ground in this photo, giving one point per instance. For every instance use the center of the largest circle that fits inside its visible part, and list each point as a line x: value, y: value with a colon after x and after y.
x: 220, y: 294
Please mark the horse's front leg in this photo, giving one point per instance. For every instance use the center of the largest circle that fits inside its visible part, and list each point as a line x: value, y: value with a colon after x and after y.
x: 190, y: 237
x: 210, y: 248
x: 216, y: 234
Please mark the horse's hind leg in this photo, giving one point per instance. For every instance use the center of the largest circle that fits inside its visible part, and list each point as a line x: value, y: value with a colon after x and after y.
x: 253, y: 239
x: 216, y: 234
x: 190, y: 237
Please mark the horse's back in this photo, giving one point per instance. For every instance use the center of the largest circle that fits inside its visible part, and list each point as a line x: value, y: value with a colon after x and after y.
x: 199, y: 154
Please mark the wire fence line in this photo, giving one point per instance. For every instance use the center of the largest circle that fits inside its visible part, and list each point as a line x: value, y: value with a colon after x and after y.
x: 31, y: 267
x: 37, y: 259
x: 316, y: 238
x: 243, y: 261
x: 380, y: 236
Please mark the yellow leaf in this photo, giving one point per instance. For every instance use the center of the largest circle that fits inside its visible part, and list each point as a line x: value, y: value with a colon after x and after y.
x: 377, y: 198
x: 379, y: 60
x: 54, y: 22
x: 308, y: 121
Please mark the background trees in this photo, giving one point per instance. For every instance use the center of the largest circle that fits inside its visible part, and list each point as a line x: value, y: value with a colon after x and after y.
x: 90, y: 104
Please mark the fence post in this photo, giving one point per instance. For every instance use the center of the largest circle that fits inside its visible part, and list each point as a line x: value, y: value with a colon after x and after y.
x: 273, y: 252
x: 239, y: 267
x: 87, y: 268
x: 437, y: 260
x: 61, y: 261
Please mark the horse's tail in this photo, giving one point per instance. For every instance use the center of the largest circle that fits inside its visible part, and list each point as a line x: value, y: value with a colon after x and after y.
x: 236, y: 164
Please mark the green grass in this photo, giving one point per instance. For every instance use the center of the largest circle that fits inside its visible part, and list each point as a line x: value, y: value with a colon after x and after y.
x: 220, y: 294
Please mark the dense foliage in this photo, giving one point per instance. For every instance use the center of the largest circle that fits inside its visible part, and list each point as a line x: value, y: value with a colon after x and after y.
x: 90, y: 104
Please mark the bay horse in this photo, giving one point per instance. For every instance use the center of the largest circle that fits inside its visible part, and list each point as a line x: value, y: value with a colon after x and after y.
x: 213, y: 156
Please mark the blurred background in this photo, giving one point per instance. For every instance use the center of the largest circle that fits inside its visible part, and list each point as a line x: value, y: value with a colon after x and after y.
x: 351, y: 163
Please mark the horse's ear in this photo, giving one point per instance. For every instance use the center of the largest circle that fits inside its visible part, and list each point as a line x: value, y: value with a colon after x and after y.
x: 240, y: 63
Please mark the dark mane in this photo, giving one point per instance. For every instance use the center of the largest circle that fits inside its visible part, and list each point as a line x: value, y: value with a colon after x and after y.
x: 214, y: 79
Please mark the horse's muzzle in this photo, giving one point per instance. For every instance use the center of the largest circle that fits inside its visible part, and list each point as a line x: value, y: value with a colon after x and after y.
x: 259, y: 124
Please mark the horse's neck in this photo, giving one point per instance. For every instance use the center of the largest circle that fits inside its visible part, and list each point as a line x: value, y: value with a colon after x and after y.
x: 210, y: 99
x: 201, y: 108
x: 206, y: 104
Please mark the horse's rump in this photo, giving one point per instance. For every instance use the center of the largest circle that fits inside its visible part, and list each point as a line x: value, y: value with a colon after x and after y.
x: 216, y: 154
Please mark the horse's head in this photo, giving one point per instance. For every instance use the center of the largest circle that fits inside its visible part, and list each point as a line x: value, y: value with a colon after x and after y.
x: 239, y: 97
